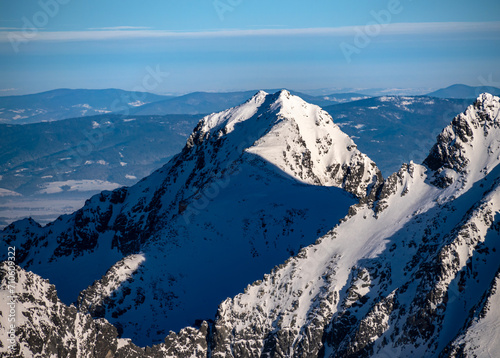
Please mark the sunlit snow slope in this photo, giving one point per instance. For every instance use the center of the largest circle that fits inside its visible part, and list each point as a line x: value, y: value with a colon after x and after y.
x: 413, y: 276
x: 411, y: 271
x: 253, y: 185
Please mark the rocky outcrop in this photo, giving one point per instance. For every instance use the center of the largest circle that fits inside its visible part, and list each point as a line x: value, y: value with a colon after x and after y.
x: 46, y: 327
x: 468, y: 143
x: 254, y: 184
x: 411, y: 272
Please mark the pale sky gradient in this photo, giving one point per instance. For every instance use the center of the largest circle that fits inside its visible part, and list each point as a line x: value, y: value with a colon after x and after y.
x: 215, y: 46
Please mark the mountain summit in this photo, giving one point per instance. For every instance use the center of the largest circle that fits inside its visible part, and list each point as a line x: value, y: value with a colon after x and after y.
x: 298, y: 138
x: 469, y: 144
x: 253, y: 185
x: 411, y: 272
x: 416, y: 274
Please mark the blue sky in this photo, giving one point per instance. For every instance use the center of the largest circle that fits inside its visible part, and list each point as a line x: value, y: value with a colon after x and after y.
x: 226, y: 45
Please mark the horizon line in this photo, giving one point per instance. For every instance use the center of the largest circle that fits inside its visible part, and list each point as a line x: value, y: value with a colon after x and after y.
x: 304, y: 91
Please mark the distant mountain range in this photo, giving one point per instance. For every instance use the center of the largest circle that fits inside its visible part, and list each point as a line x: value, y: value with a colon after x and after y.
x: 345, y: 97
x: 109, y: 148
x: 370, y: 92
x: 464, y: 91
x: 208, y: 102
x: 70, y: 103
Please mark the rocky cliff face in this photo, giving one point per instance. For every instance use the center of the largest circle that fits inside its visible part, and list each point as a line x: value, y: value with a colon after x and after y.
x: 411, y: 276
x: 413, y: 271
x: 404, y: 291
x: 468, y: 144
x: 46, y: 327
x: 253, y: 185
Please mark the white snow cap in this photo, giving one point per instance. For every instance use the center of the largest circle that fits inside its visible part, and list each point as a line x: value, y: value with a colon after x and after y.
x: 297, y: 137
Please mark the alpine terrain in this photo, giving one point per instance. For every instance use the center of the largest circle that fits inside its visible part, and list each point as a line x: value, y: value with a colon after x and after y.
x: 251, y: 187
x: 410, y: 270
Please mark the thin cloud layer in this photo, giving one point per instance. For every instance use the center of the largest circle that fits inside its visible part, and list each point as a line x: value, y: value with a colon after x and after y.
x: 120, y: 28
x: 131, y: 32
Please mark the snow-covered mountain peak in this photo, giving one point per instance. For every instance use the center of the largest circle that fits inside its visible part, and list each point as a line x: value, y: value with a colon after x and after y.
x: 227, y: 119
x: 469, y: 147
x: 284, y: 98
x: 297, y: 138
x: 253, y: 185
x: 408, y: 275
x: 262, y: 101
x: 306, y: 144
x: 486, y: 100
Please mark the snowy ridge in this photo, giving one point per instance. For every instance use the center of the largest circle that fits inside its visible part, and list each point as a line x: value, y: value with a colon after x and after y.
x: 410, y: 272
x: 298, y: 138
x: 469, y: 145
x: 480, y: 337
x: 46, y: 327
x: 230, y: 117
x: 374, y: 274
x: 92, y: 298
x: 314, y: 148
x: 39, y: 311
x: 217, y: 203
